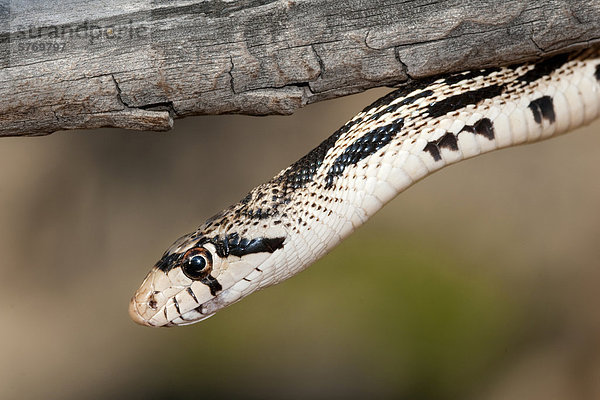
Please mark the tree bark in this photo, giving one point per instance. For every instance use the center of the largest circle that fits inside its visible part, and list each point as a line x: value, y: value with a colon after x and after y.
x: 81, y: 64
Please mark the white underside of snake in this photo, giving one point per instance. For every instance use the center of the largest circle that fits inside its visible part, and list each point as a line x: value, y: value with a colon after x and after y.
x: 288, y: 223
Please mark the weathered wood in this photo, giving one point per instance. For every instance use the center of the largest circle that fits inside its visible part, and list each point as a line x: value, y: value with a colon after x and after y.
x: 81, y: 64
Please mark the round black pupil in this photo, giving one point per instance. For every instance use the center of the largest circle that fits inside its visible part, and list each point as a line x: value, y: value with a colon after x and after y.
x: 196, y: 264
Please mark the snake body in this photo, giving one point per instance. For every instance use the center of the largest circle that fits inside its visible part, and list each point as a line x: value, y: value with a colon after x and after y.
x: 286, y: 224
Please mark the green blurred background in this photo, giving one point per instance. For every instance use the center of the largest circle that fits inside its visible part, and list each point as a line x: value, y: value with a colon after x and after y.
x: 481, y: 282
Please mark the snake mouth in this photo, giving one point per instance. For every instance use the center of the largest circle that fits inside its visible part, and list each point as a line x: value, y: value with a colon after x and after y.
x: 144, y: 308
x: 163, y: 317
x: 190, y: 317
x: 168, y: 300
x: 185, y: 318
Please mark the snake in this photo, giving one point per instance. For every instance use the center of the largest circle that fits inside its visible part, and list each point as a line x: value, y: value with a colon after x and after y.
x: 284, y: 225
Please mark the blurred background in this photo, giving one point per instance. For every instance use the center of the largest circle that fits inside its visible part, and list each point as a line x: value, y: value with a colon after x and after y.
x: 481, y: 282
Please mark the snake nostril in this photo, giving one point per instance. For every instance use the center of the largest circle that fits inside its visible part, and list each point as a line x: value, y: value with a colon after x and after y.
x: 152, y: 303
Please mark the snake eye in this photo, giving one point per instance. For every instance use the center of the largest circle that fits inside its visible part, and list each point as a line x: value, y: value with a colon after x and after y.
x: 197, y: 263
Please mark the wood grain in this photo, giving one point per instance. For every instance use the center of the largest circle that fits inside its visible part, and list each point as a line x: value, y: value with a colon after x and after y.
x: 80, y: 64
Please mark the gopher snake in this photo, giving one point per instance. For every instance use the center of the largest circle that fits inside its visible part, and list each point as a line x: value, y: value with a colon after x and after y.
x: 286, y: 224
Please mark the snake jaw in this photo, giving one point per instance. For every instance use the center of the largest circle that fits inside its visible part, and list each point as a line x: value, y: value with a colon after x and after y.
x: 167, y: 297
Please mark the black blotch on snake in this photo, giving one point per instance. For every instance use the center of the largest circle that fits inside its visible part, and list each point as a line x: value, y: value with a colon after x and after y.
x: 543, y: 108
x: 361, y: 148
x: 483, y: 127
x: 431, y: 148
x: 303, y: 170
x: 448, y: 141
x: 543, y: 68
x: 461, y: 100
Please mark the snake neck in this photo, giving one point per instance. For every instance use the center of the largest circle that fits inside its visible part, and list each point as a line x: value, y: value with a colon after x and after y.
x: 403, y: 137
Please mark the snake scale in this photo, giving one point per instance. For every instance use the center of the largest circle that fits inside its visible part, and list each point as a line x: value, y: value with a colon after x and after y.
x: 286, y: 224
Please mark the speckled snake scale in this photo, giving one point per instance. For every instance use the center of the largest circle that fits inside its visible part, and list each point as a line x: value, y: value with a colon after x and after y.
x: 286, y: 224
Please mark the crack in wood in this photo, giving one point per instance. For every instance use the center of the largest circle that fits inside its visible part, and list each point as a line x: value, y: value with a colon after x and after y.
x: 287, y: 54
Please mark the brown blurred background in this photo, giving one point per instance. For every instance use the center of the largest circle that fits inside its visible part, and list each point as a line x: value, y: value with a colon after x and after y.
x: 478, y: 283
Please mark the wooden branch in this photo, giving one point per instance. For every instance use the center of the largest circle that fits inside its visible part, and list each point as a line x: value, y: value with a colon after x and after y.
x: 81, y: 64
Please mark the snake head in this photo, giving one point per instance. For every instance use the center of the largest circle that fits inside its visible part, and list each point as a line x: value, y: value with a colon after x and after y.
x: 198, y: 276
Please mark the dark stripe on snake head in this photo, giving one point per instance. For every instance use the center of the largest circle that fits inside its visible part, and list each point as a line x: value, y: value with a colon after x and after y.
x: 235, y: 245
x: 258, y: 245
x: 213, y: 285
x: 597, y: 74
x: 191, y: 293
x: 362, y: 147
x: 543, y: 108
x: 167, y: 261
x: 483, y: 127
x: 176, y: 304
x: 231, y: 244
